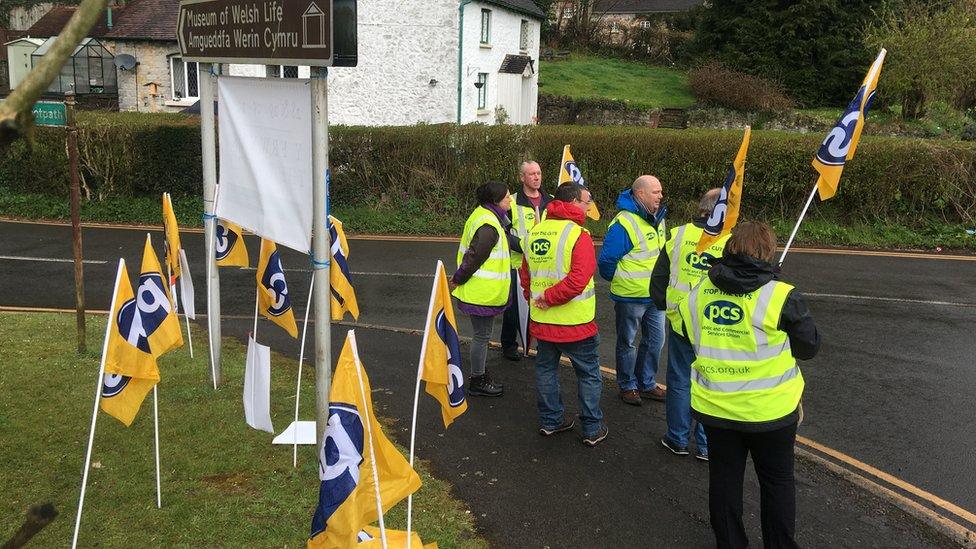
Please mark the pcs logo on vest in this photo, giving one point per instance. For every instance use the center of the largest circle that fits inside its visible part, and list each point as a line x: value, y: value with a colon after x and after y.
x: 701, y: 261
x: 724, y: 313
x: 540, y: 246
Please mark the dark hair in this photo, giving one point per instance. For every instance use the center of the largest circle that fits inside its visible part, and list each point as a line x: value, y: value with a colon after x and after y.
x: 491, y: 192
x: 568, y: 192
x: 752, y: 239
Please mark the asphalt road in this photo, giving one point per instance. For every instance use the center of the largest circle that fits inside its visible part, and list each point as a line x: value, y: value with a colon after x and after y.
x: 892, y: 386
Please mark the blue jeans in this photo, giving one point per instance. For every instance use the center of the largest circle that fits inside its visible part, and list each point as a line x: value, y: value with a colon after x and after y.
x: 678, y: 400
x: 637, y: 366
x: 585, y: 356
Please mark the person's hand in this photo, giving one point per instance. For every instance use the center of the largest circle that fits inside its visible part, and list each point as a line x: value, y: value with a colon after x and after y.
x: 540, y: 303
x: 452, y: 285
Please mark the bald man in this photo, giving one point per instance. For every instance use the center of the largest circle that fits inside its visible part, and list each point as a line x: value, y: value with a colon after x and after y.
x: 633, y: 241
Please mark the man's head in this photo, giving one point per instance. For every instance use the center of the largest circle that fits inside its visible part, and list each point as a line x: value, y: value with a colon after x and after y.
x: 708, y: 201
x: 754, y: 240
x: 648, y: 192
x: 574, y: 194
x: 530, y: 174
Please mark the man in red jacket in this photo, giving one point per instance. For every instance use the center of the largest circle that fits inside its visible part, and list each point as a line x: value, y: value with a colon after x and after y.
x: 557, y: 278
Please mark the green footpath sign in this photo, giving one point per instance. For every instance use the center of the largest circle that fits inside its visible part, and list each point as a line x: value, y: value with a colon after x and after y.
x: 49, y: 113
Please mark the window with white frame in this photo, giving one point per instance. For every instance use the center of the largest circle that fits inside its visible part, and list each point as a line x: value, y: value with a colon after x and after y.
x: 281, y: 71
x: 645, y: 24
x: 482, y: 90
x: 524, y: 36
x: 486, y: 26
x: 184, y: 78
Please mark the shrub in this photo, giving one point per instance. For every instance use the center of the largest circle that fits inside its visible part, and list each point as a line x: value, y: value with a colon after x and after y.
x: 714, y: 84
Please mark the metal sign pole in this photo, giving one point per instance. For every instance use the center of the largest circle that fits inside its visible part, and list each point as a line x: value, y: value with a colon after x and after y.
x: 321, y: 256
x: 76, y: 219
x: 208, y: 134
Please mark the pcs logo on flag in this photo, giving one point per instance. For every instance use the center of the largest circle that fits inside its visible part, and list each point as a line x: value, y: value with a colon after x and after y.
x: 339, y: 460
x: 574, y: 172
x: 225, y: 241
x: 113, y: 384
x: 274, y: 280
x: 141, y: 316
x: 833, y: 151
x: 455, y: 377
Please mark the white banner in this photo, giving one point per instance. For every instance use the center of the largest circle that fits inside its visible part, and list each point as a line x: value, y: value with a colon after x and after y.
x: 265, y: 127
x: 257, y: 386
x: 186, y: 287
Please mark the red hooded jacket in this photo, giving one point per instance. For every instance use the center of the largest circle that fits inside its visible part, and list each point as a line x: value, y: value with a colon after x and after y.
x: 581, y: 270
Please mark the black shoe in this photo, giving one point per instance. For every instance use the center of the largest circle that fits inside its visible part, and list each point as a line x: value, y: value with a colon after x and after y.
x: 512, y: 353
x: 483, y: 386
x: 675, y: 449
x: 492, y: 381
x: 597, y: 437
x: 567, y: 425
x: 701, y: 455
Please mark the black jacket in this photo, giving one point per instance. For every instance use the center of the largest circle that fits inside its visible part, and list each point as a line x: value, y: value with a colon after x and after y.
x: 661, y: 275
x: 522, y: 200
x: 738, y: 274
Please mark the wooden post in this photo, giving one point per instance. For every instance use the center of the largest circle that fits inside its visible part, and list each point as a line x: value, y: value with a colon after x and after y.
x: 76, y: 218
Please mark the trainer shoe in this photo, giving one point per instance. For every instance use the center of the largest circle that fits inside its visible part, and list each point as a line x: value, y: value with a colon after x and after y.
x: 567, y: 425
x: 483, y: 386
x: 657, y: 393
x: 631, y: 397
x: 597, y: 437
x: 512, y: 353
x: 675, y: 449
x: 699, y: 454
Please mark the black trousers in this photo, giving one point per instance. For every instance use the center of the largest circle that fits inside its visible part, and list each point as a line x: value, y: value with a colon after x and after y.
x: 772, y: 454
x: 510, y: 319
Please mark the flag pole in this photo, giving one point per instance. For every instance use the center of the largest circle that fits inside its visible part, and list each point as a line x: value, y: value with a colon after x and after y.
x: 301, y: 357
x: 159, y: 493
x: 98, y: 398
x: 210, y: 330
x: 416, y: 392
x: 257, y: 297
x: 369, y: 435
x: 797, y: 226
x: 189, y: 338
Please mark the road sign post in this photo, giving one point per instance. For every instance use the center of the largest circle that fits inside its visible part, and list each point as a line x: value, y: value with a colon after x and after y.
x: 51, y: 113
x: 65, y: 114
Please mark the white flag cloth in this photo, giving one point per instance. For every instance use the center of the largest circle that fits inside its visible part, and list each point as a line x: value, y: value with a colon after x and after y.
x: 266, y: 158
x: 523, y: 313
x: 257, y: 386
x: 186, y: 287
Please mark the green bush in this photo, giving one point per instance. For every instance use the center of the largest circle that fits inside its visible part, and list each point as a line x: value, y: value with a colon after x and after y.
x: 434, y: 168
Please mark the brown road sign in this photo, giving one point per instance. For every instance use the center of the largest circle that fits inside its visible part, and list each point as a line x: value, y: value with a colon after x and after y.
x: 273, y: 32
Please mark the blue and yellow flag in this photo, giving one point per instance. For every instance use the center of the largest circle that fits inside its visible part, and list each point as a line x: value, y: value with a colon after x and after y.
x: 130, y: 367
x: 159, y: 322
x: 841, y: 142
x: 229, y: 248
x: 441, y: 358
x: 343, y: 295
x: 569, y: 171
x: 273, y: 300
x: 172, y: 237
x: 725, y: 214
x: 370, y: 536
x: 352, y: 442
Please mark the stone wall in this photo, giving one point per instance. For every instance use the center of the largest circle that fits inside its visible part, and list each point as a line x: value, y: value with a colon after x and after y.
x: 148, y: 87
x: 558, y: 110
x: 22, y: 18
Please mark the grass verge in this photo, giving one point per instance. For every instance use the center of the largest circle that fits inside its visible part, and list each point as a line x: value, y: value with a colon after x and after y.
x: 223, y: 483
x: 591, y: 77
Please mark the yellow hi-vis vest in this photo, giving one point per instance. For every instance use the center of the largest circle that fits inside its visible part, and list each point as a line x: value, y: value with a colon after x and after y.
x: 549, y: 254
x: 744, y: 369
x: 633, y: 275
x: 491, y: 283
x: 687, y: 267
x: 523, y: 219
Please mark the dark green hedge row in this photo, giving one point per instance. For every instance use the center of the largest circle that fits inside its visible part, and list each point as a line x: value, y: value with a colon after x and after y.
x: 893, y: 179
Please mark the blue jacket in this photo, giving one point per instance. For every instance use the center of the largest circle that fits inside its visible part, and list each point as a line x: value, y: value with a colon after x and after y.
x: 617, y: 243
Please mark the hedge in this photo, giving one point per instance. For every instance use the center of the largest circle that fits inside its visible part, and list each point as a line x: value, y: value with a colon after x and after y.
x: 907, y: 181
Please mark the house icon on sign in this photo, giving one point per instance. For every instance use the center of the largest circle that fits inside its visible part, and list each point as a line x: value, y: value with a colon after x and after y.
x: 313, y: 27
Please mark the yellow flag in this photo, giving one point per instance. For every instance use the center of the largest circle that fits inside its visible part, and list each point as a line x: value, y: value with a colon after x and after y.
x: 569, y: 171
x: 725, y: 214
x: 229, y: 248
x: 343, y: 296
x: 352, y: 442
x: 172, y: 236
x: 370, y: 537
x: 441, y: 357
x: 841, y: 143
x: 130, y: 367
x: 159, y: 322
x: 273, y: 300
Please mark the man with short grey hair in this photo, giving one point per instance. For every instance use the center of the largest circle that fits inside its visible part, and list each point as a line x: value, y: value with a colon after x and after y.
x: 678, y: 269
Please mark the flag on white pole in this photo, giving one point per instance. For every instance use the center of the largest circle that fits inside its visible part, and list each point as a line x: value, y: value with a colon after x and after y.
x: 186, y: 287
x: 257, y: 386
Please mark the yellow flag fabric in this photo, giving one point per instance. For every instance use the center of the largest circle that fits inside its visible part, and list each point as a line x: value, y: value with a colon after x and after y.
x: 273, y: 300
x: 442, y: 353
x: 370, y: 537
x: 352, y: 440
x: 343, y: 296
x: 569, y: 171
x: 130, y: 367
x: 159, y: 322
x: 230, y: 250
x: 725, y: 214
x: 172, y: 236
x: 841, y: 143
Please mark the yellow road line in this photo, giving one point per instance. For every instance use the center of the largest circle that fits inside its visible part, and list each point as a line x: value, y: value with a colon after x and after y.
x: 10, y: 309
x: 910, y: 488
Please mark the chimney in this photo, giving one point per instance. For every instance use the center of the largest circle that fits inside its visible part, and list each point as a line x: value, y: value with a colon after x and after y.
x: 108, y: 17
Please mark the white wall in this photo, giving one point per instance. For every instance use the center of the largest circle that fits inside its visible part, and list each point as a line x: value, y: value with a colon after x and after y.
x: 505, y: 35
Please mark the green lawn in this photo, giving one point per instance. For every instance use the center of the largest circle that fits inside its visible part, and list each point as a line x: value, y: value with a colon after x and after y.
x: 589, y: 77
x: 224, y: 484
